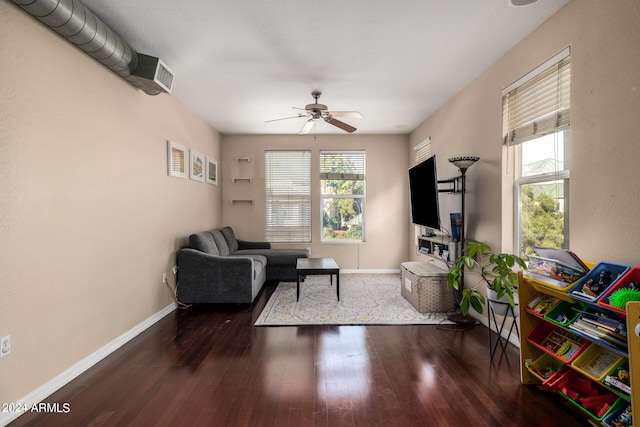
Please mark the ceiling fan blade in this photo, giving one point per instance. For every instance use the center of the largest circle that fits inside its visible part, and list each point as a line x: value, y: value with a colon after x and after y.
x: 349, y: 114
x: 341, y: 125
x: 307, y: 127
x: 287, y: 118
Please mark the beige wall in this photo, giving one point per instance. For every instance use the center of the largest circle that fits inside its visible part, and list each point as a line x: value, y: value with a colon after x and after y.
x: 386, y: 194
x: 605, y: 124
x: 89, y: 219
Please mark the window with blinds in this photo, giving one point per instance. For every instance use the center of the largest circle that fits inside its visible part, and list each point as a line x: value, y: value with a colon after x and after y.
x: 536, y: 129
x: 422, y: 151
x: 539, y: 106
x: 342, y: 193
x: 288, y: 196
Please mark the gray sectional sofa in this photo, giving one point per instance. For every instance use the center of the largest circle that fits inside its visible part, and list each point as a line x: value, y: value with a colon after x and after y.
x: 216, y: 267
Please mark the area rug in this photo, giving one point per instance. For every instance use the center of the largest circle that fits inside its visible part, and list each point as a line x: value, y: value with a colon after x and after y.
x: 365, y: 299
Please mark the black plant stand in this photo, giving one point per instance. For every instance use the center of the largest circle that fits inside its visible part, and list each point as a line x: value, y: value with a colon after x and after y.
x: 502, y: 341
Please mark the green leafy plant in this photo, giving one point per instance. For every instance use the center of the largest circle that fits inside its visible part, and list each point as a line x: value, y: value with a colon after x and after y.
x: 496, y: 270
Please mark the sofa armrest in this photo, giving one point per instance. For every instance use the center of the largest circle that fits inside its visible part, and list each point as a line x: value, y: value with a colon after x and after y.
x: 206, y: 278
x: 245, y: 244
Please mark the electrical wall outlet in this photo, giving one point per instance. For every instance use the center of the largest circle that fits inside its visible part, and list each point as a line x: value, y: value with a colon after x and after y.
x: 5, y: 346
x: 164, y: 277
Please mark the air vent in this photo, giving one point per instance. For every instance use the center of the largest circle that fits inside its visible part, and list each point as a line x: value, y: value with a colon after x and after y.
x: 154, y: 73
x: 75, y: 22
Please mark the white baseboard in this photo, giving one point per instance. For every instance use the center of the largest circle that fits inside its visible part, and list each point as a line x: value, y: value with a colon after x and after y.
x: 513, y: 339
x: 47, y: 389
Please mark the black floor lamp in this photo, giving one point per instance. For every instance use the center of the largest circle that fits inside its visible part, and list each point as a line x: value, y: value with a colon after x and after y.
x: 462, y: 163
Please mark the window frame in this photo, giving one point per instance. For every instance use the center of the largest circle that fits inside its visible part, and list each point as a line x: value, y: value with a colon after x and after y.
x: 362, y: 196
x: 530, y: 122
x: 301, y: 233
x: 520, y: 181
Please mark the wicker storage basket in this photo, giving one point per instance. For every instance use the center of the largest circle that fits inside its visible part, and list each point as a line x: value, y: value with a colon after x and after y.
x: 425, y: 286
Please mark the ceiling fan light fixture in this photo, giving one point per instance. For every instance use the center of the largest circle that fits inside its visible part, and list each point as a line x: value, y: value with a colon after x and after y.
x: 318, y: 111
x: 316, y: 108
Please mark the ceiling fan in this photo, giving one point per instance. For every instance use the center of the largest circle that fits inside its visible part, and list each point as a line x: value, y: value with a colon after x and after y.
x: 316, y: 112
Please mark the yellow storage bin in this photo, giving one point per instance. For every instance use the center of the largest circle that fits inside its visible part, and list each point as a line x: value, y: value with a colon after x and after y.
x: 595, y: 362
x: 545, y: 367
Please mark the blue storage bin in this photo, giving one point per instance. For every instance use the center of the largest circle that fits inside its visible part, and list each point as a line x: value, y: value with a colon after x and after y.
x: 598, y: 280
x: 616, y: 412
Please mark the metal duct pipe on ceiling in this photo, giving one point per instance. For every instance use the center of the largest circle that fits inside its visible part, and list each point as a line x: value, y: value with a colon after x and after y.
x: 76, y: 23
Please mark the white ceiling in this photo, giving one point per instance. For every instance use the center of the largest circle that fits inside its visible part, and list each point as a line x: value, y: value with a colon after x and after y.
x: 240, y: 63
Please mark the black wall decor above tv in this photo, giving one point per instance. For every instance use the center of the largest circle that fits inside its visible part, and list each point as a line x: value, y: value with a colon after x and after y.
x: 423, y: 185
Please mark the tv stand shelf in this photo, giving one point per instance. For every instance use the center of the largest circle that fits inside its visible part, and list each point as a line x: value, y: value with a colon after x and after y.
x: 451, y: 185
x: 530, y: 351
x: 436, y: 245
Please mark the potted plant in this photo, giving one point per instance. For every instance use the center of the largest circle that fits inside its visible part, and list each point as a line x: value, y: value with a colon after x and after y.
x: 496, y: 270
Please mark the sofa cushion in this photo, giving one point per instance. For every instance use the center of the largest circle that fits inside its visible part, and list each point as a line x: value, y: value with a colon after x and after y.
x: 257, y: 259
x: 204, y: 242
x: 232, y: 242
x: 258, y: 267
x: 221, y: 242
x: 277, y: 256
x: 259, y: 264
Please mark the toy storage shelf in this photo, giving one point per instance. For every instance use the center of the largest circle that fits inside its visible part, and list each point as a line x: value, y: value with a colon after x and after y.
x: 590, y: 365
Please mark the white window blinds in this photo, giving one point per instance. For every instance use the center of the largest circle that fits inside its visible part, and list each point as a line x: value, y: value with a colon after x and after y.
x: 539, y: 106
x: 288, y: 196
x: 422, y: 151
x: 347, y: 165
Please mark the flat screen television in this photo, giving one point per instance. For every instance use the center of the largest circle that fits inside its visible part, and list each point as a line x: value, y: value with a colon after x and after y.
x: 423, y: 185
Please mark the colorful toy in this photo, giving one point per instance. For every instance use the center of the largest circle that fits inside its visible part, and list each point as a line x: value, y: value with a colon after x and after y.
x: 625, y: 418
x: 623, y: 295
x: 593, y: 288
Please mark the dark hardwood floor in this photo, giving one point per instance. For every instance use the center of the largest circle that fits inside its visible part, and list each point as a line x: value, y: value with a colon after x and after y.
x: 209, y: 366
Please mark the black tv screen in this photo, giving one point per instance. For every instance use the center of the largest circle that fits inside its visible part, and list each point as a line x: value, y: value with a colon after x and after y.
x: 423, y: 185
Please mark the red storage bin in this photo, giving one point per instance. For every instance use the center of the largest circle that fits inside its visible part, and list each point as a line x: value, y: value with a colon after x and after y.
x: 633, y: 275
x: 557, y: 341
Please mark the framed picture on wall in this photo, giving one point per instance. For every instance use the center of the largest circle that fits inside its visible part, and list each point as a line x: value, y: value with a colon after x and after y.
x: 196, y: 171
x: 212, y: 171
x: 176, y: 159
